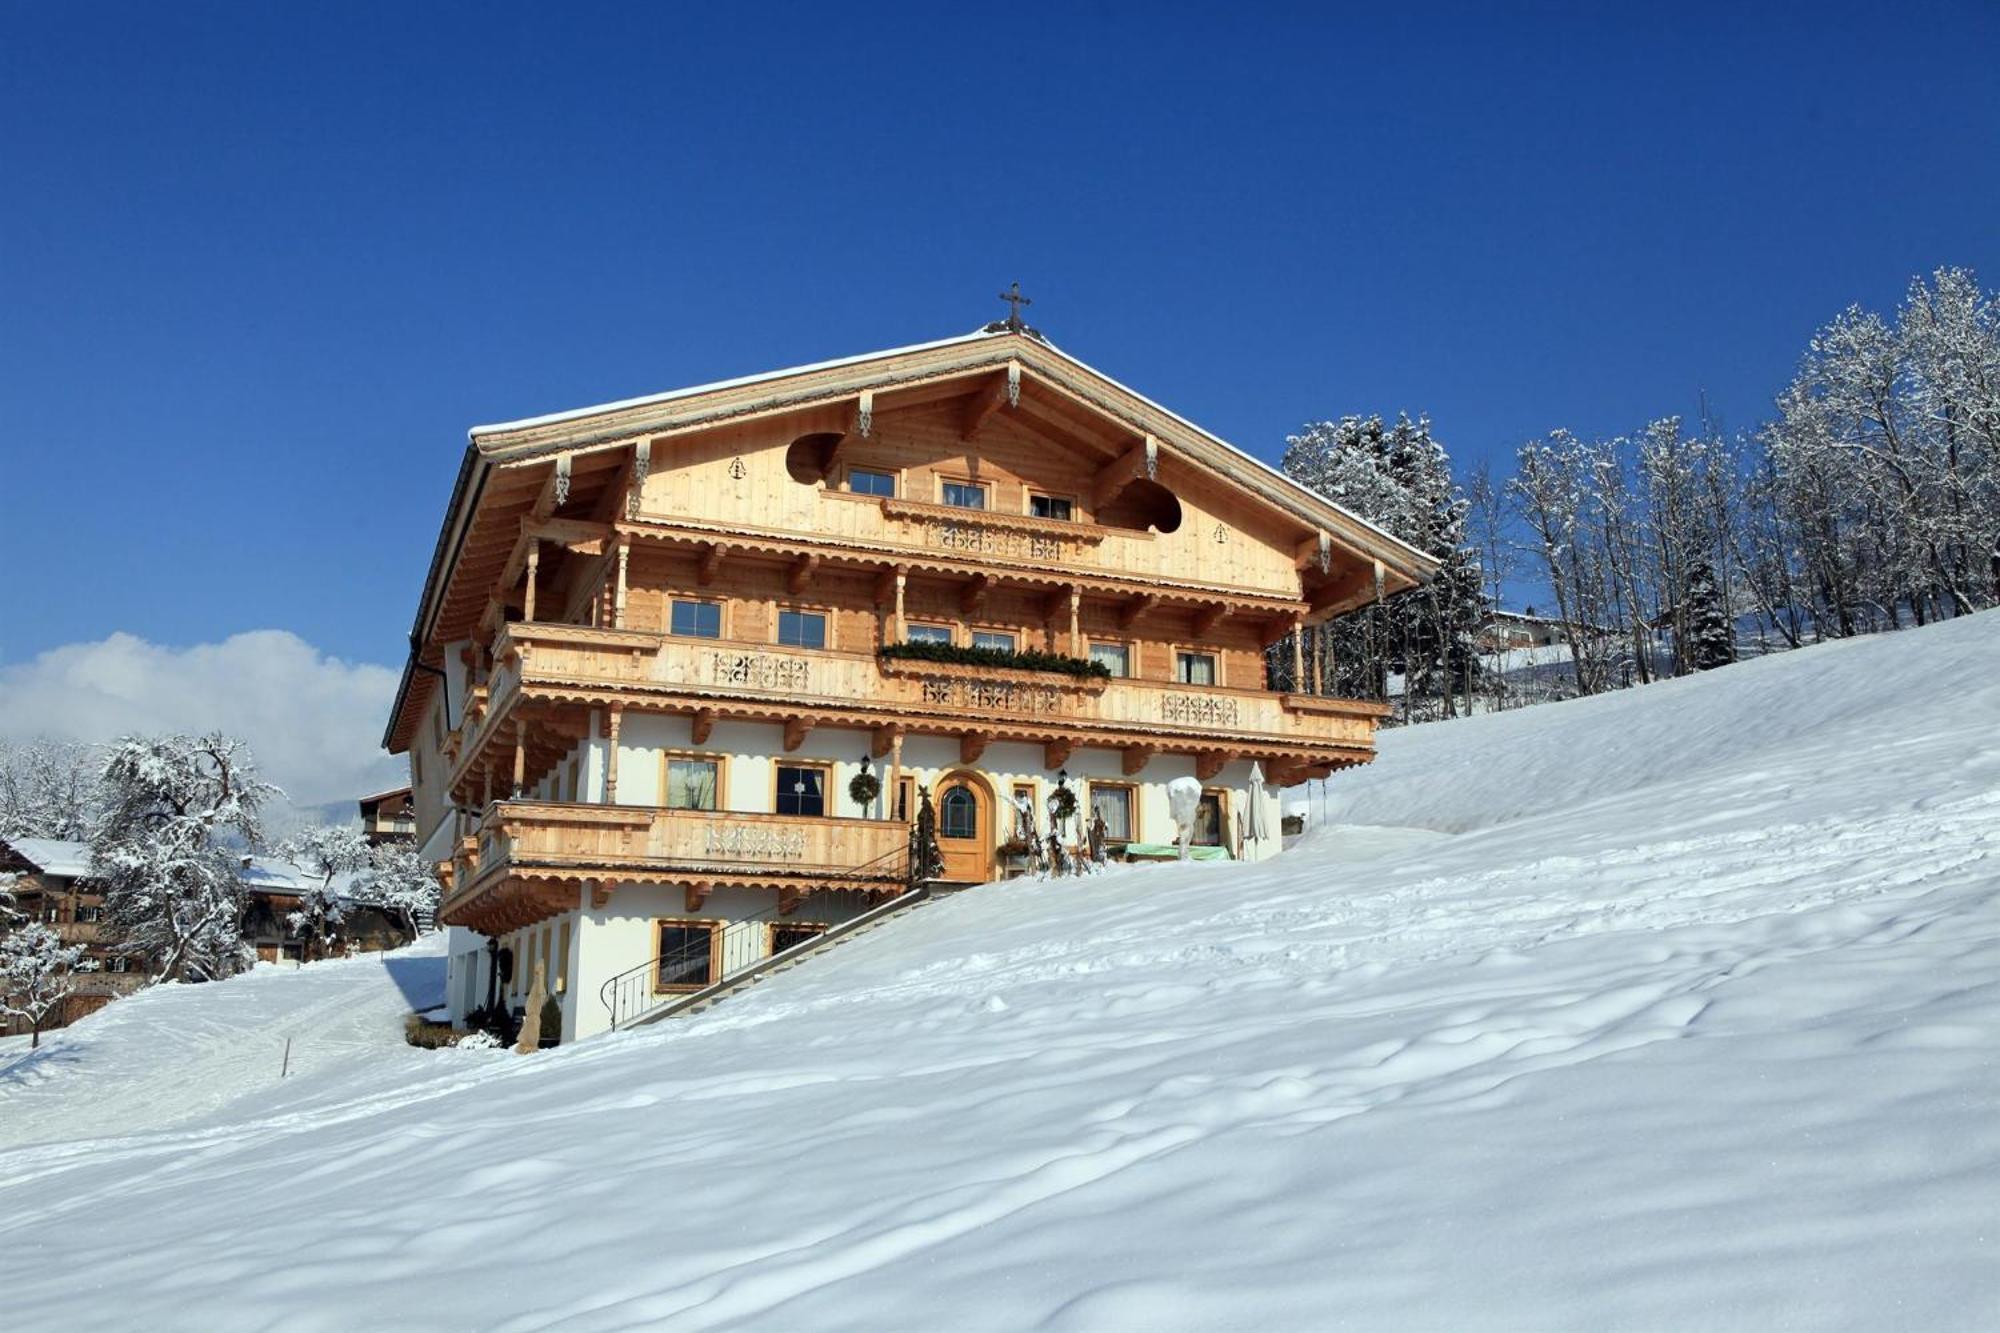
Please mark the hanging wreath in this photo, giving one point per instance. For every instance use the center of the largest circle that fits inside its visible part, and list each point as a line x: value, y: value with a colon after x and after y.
x: 864, y: 788
x: 1062, y: 804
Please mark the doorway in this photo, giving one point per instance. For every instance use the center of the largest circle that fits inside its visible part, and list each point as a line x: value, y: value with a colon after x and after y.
x: 965, y: 827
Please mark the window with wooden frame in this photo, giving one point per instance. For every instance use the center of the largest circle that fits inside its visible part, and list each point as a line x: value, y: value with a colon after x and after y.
x: 906, y: 799
x: 690, y: 781
x: 1211, y: 819
x: 1116, y: 656
x: 688, y: 954
x: 998, y: 640
x: 962, y: 494
x: 1192, y: 668
x: 869, y: 481
x: 1020, y: 792
x: 802, y: 789
x: 801, y: 628
x: 1051, y: 506
x: 790, y: 934
x: 688, y: 618
x: 915, y: 633
x: 1117, y: 803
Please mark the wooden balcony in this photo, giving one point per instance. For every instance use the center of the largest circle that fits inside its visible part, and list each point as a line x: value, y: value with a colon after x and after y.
x: 529, y: 859
x: 569, y: 664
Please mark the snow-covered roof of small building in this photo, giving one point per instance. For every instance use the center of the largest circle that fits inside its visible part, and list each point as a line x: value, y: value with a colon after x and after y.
x: 54, y: 856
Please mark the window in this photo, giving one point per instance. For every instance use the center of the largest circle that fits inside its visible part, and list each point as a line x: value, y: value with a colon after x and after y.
x: 906, y: 798
x: 1113, y: 804
x: 576, y: 778
x: 791, y: 934
x: 696, y: 620
x: 988, y: 638
x: 1022, y: 794
x: 927, y: 633
x: 1208, y: 820
x: 864, y: 481
x: 958, y: 813
x: 802, y: 629
x: 687, y: 955
x: 691, y: 784
x: 965, y: 494
x: 1116, y: 657
x: 1195, y: 668
x: 1051, y: 506
x: 801, y: 789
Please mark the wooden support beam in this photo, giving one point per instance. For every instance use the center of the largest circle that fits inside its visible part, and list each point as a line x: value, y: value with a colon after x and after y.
x: 831, y: 458
x: 1053, y: 604
x: 520, y: 756
x: 1136, y: 758
x: 1299, y: 654
x: 971, y: 745
x: 1274, y: 629
x: 1354, y: 588
x: 1075, y: 620
x: 534, y: 570
x: 1209, y: 763
x: 697, y: 895
x: 885, y: 586
x: 883, y: 740
x: 796, y: 731
x: 1056, y: 753
x: 1312, y: 550
x: 703, y: 723
x: 982, y: 406
x: 618, y: 597
x: 1122, y: 471
x: 600, y: 893
x: 711, y: 562
x: 801, y: 573
x: 788, y: 901
x: 611, y: 755
x: 1207, y: 618
x: 973, y: 595
x: 1129, y: 613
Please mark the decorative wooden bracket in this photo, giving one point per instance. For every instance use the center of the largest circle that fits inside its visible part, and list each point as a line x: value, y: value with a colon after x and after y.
x: 885, y: 585
x: 1132, y: 610
x: 1352, y: 589
x: 1206, y: 619
x: 796, y: 731
x: 703, y: 724
x: 1136, y: 757
x: 1142, y: 459
x: 882, y: 741
x: 711, y: 561
x: 600, y: 893
x: 973, y: 595
x: 697, y: 895
x: 1276, y: 628
x: 1056, y: 753
x: 1209, y: 763
x: 788, y: 901
x: 983, y: 405
x: 971, y: 745
x: 1054, y: 604
x: 801, y: 573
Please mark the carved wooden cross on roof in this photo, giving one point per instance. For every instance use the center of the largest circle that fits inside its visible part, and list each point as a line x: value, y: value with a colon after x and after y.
x: 1012, y: 296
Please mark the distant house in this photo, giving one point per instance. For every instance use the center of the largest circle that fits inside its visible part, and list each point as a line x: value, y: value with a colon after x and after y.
x: 389, y: 816
x: 1505, y: 630
x: 55, y: 888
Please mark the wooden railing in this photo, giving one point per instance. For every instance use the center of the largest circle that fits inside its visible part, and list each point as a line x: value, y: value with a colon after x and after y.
x: 551, y: 834
x: 624, y: 658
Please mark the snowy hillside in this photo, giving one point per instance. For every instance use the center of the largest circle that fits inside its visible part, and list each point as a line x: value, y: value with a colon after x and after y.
x: 1679, y: 1015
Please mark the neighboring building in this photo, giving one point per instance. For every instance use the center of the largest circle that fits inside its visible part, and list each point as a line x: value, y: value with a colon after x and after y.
x: 648, y: 658
x: 389, y: 816
x: 1524, y: 629
x: 54, y: 887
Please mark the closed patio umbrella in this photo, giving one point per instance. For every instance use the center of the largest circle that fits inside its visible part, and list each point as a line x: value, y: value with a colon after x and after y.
x: 1254, y: 829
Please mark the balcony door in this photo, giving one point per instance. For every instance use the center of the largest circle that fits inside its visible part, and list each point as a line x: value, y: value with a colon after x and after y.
x: 965, y: 827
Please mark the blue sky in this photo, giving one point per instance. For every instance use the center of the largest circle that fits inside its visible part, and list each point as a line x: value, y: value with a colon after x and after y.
x: 261, y: 266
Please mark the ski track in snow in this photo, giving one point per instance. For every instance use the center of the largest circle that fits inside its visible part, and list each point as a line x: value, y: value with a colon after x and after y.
x: 1671, y: 1009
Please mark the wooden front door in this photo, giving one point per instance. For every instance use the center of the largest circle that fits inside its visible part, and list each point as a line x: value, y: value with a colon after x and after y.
x: 965, y: 828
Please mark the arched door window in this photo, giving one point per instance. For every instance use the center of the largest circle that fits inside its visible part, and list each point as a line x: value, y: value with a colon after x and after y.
x: 958, y: 814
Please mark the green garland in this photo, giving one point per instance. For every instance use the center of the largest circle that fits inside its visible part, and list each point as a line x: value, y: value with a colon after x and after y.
x: 863, y: 789
x: 1030, y: 659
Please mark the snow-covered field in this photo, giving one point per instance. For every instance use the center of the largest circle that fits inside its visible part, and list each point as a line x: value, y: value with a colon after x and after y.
x: 1681, y: 1015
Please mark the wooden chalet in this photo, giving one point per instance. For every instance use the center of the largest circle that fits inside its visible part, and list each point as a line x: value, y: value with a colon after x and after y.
x: 648, y: 660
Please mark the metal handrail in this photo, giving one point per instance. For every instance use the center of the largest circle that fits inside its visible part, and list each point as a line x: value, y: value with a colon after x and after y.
x: 625, y: 994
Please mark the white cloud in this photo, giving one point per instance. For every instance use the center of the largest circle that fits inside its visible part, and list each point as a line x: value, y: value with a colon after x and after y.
x: 314, y: 722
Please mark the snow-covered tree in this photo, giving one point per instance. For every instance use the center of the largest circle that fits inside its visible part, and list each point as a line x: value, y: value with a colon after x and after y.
x: 326, y: 852
x: 180, y: 814
x: 37, y: 973
x: 1704, y: 620
x: 402, y: 882
x: 48, y: 789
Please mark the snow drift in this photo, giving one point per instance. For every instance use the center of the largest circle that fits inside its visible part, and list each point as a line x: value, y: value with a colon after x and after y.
x: 1684, y: 1021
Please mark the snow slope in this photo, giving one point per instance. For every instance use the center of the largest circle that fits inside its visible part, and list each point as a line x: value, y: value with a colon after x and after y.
x: 1686, y: 1022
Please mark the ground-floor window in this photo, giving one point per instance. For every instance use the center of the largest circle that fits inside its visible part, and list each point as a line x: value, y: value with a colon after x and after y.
x: 1210, y: 820
x: 686, y: 955
x: 789, y: 934
x: 1112, y: 802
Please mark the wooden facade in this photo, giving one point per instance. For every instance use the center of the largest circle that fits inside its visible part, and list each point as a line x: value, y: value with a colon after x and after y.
x: 717, y: 572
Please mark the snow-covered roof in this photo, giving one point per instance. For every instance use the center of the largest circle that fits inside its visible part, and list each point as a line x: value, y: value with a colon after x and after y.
x: 54, y: 856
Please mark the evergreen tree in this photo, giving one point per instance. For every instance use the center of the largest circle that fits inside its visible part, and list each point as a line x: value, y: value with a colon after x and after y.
x: 1711, y: 642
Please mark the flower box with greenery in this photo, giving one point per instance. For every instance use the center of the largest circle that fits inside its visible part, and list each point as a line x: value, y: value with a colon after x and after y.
x: 1030, y: 660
